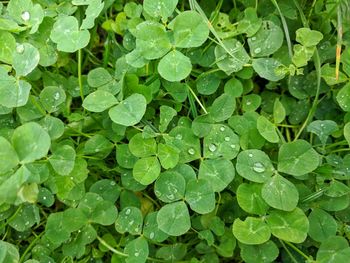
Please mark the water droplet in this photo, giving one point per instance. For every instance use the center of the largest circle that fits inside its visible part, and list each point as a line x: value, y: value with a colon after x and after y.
x: 137, y: 254
x: 56, y: 96
x: 20, y: 49
x: 151, y: 235
x: 222, y: 128
x: 131, y: 222
x: 179, y: 137
x: 27, y: 223
x: 191, y: 151
x: 257, y: 50
x: 212, y: 147
x: 253, y: 38
x: 227, y: 139
x: 112, y: 183
x: 170, y: 196
x: 259, y: 167
x: 250, y: 155
x: 44, y: 197
x: 128, y: 211
x: 25, y: 16
x: 159, y: 194
x: 136, y: 229
x: 233, y: 146
x: 71, y: 177
x: 248, y: 102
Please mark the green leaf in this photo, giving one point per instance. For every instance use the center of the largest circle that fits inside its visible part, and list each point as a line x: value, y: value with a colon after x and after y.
x: 129, y: 220
x: 13, y: 93
x: 267, y: 40
x: 347, y: 132
x: 25, y: 59
x: 151, y: 229
x: 174, y: 219
x: 322, y: 225
x: 108, y: 189
x: 219, y: 172
x: 67, y: 36
x: 322, y: 129
x: 170, y: 187
x: 223, y: 107
x: 343, y: 97
x: 52, y: 97
x: 99, y: 77
x: 26, y: 13
x: 124, y: 157
x: 7, y: 47
x: 268, y: 68
x: 251, y: 231
x: 207, y: 83
x: 129, y: 111
x: 152, y: 40
x: 31, y: 142
x: 200, y: 196
x: 289, y: 226
x: 250, y: 24
x: 279, y: 112
x: 251, y: 102
x: 168, y: 155
x: 62, y: 159
x: 308, y: 37
x: 8, y: 252
x: 27, y: 216
x: 99, y: 101
x: 8, y: 156
x: 254, y: 165
x: 333, y: 250
x: 190, y: 30
x: 166, y: 115
x: 250, y: 200
x: 264, y: 253
x: 93, y: 10
x: 231, y: 56
x: 159, y: 8
x: 220, y: 142
x: 280, y: 193
x: 328, y: 74
x: 98, y: 145
x: 137, y: 250
x: 146, y: 170
x: 142, y: 147
x: 297, y: 158
x: 267, y: 129
x: 175, y: 66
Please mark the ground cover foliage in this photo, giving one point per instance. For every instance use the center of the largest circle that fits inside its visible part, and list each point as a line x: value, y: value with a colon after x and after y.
x: 174, y: 131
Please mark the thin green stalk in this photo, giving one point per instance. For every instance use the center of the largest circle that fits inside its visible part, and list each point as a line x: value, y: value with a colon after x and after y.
x: 285, y: 28
x: 80, y: 81
x: 30, y: 246
x: 339, y: 41
x: 11, y: 218
x: 196, y: 98
x: 301, y: 253
x: 112, y: 249
x: 288, y: 252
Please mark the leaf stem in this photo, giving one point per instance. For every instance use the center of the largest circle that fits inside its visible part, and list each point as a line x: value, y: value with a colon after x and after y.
x: 112, y: 249
x: 196, y: 98
x: 30, y: 246
x: 79, y: 76
x: 301, y: 253
x: 288, y: 252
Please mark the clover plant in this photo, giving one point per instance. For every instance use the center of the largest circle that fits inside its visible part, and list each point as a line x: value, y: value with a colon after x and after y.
x: 174, y: 131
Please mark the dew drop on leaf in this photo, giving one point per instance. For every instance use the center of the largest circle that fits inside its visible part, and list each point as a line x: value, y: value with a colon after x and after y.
x: 179, y: 137
x: 127, y: 212
x: 222, y: 128
x: 259, y: 167
x: 212, y: 147
x: 25, y: 16
x: 250, y: 155
x: 20, y: 49
x: 191, y: 151
x: 151, y: 235
x: 227, y: 139
x: 257, y: 50
x: 170, y: 196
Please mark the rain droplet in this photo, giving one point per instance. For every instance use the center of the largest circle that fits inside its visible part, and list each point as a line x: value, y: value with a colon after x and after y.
x: 137, y: 254
x: 112, y: 183
x: 250, y: 155
x: 158, y: 193
x: 128, y: 211
x: 44, y: 197
x: 25, y: 16
x: 257, y: 50
x: 227, y: 139
x: 136, y: 229
x: 253, y: 38
x: 233, y: 146
x: 179, y: 137
x: 170, y: 196
x: 20, y: 49
x: 222, y: 128
x: 191, y: 151
x: 248, y: 102
x: 151, y: 235
x: 56, y: 96
x: 212, y: 147
x: 259, y: 167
